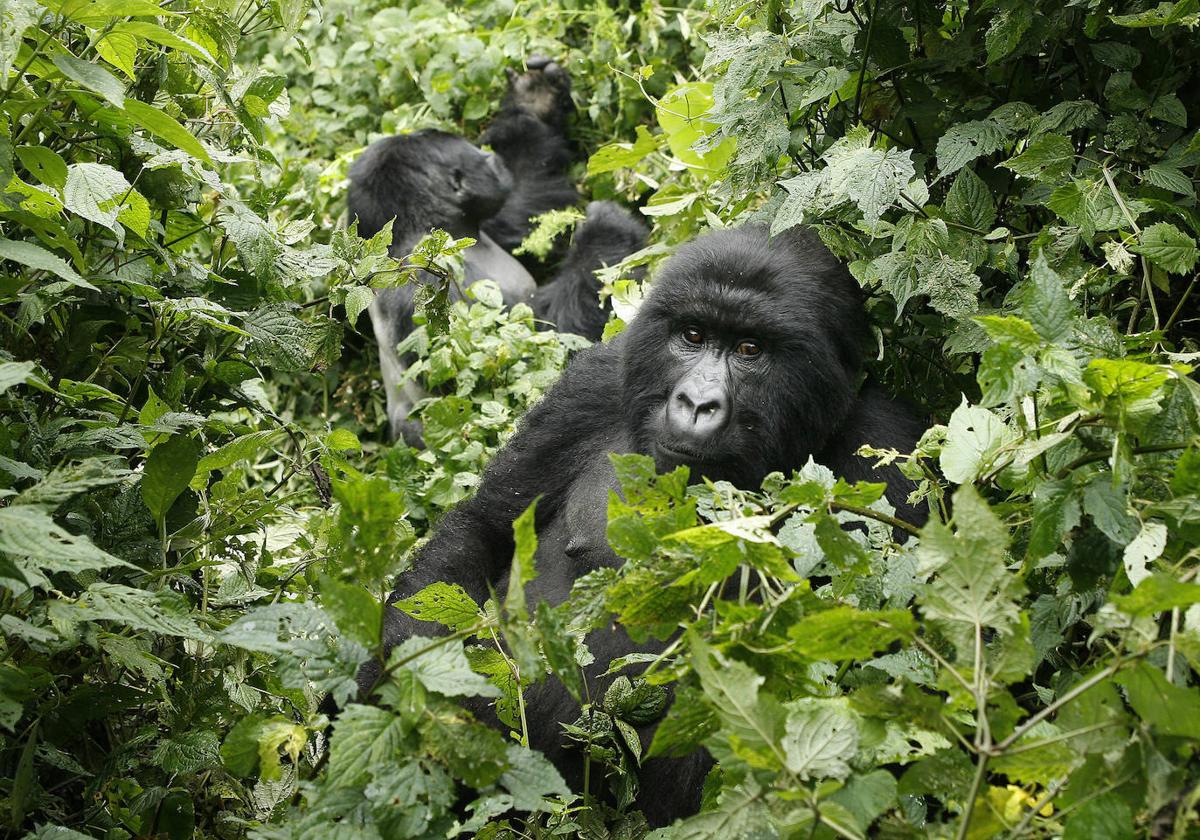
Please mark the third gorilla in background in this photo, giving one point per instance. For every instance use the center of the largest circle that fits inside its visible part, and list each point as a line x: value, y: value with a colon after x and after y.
x: 743, y: 360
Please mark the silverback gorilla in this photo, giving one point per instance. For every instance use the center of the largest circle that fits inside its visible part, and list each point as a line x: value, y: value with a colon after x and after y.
x: 744, y: 359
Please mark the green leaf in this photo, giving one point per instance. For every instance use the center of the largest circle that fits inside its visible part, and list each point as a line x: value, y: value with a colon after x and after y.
x: 524, y: 568
x: 366, y: 737
x: 849, y: 633
x: 119, y: 49
x: 973, y: 437
x: 44, y: 164
x: 1107, y: 817
x: 1006, y: 31
x: 445, y: 603
x: 29, y: 532
x: 357, y: 612
x: 1168, y: 247
x: 188, y: 752
x: 752, y: 724
x: 164, y: 126
x: 442, y: 668
x: 160, y: 612
x: 38, y: 258
x: 358, y: 301
x: 969, y: 202
x: 160, y: 35
x: 531, y: 778
x: 681, y: 113
x: 616, y: 156
x: 1044, y: 302
x: 239, y: 752
x: 1108, y: 505
x: 94, y: 191
x: 169, y: 468
x: 93, y: 77
x: 1170, y: 709
x: 1050, y: 158
x: 972, y: 585
x: 964, y: 142
x: 821, y: 739
x: 16, y: 373
x: 241, y: 448
x: 16, y: 16
x: 1158, y: 593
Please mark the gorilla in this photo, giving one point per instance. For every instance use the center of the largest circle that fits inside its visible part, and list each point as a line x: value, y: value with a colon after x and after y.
x: 432, y: 179
x: 744, y: 359
x: 424, y: 180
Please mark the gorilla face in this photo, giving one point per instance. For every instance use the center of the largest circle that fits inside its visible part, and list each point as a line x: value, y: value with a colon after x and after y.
x: 477, y: 180
x: 744, y: 357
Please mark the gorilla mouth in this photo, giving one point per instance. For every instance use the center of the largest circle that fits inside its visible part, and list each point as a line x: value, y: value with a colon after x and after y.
x: 675, y: 454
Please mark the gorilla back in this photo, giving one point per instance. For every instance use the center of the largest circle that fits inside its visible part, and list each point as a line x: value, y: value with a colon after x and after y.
x: 744, y: 359
x: 426, y: 180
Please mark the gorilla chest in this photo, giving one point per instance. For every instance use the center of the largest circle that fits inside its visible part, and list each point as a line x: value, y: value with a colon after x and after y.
x: 575, y: 542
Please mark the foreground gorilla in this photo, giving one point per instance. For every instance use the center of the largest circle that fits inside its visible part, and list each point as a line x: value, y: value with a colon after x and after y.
x: 744, y: 359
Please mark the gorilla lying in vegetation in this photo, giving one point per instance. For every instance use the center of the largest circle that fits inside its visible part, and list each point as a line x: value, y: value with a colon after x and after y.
x: 744, y: 359
x: 432, y: 179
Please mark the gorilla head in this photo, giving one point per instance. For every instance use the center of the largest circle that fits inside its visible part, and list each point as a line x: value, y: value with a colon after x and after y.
x: 743, y: 336
x: 424, y: 180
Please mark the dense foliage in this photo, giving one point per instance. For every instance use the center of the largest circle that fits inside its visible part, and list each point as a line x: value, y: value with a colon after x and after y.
x: 198, y: 514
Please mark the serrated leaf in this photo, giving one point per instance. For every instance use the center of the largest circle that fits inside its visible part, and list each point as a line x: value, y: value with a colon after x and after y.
x: 367, y: 737
x: 1169, y: 708
x: 973, y: 436
x: 358, y: 301
x: 821, y: 738
x: 357, y: 612
x: 445, y: 603
x: 849, y: 633
x: 969, y: 202
x: 1050, y: 157
x: 94, y: 191
x: 27, y: 531
x: 442, y: 668
x: 964, y: 142
x: 139, y: 609
x: 530, y: 779
x: 16, y: 16
x: 1168, y: 247
x: 160, y: 35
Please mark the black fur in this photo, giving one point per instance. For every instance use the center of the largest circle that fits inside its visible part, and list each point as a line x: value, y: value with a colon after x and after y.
x: 425, y: 180
x: 529, y: 135
x: 570, y: 301
x: 794, y: 400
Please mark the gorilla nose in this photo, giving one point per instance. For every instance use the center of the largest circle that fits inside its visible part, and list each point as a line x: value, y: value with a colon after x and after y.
x: 696, y: 413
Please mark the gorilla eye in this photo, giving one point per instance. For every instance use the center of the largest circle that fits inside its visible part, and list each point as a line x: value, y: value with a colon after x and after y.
x: 748, y: 348
x: 692, y: 335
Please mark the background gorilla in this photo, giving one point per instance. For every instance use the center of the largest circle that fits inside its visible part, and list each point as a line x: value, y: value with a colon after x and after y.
x: 744, y: 359
x: 571, y: 300
x: 431, y: 179
x: 529, y: 135
x: 424, y: 180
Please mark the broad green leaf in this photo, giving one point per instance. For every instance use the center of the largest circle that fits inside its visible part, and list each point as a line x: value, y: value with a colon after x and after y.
x: 160, y: 35
x: 969, y: 202
x: 239, y: 752
x: 848, y: 633
x: 44, y: 164
x: 524, y: 568
x: 821, y: 738
x: 16, y: 16
x: 29, y: 532
x: 16, y: 373
x: 366, y: 738
x: 973, y: 438
x: 1158, y: 593
x: 1106, y: 817
x: 752, y: 724
x: 95, y: 191
x: 119, y: 49
x: 188, y: 752
x: 1169, y: 708
x: 681, y: 112
x: 1006, y: 31
x: 530, y: 779
x: 165, y: 127
x: 1168, y: 247
x: 445, y: 603
x: 618, y: 155
x: 358, y: 300
x: 442, y: 668
x: 93, y: 77
x: 1146, y: 547
x: 964, y: 142
x: 1044, y: 302
x: 239, y: 449
x: 169, y: 468
x: 161, y: 612
x: 134, y: 213
x: 97, y: 12
x: 38, y: 258
x: 1050, y: 158
x: 357, y: 612
x: 971, y: 583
